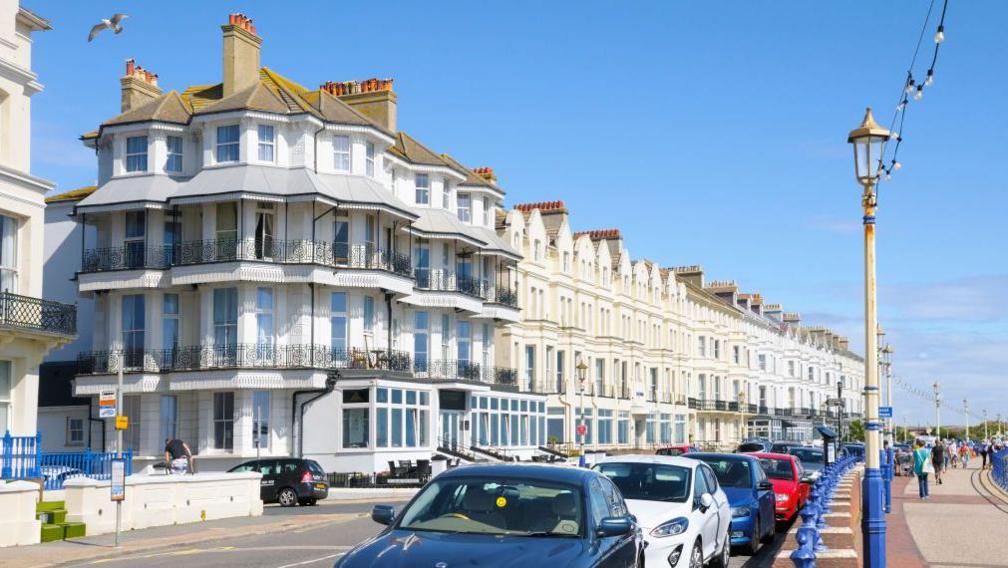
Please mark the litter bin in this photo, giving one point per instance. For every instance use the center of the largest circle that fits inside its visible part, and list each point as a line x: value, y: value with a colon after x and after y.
x: 438, y: 464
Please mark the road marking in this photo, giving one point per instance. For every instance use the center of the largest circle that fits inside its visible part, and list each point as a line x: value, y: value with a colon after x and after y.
x: 306, y: 562
x: 191, y: 551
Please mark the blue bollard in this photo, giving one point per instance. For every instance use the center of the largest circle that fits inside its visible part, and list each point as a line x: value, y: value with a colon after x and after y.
x: 803, y: 556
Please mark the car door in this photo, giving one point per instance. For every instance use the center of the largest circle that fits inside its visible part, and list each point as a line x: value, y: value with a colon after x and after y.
x: 765, y: 497
x: 719, y: 515
x: 268, y: 485
x: 707, y: 518
x: 626, y: 545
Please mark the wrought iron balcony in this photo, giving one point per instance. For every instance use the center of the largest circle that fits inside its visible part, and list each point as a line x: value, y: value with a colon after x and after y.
x: 450, y: 369
x: 25, y: 313
x: 446, y: 281
x: 134, y: 256
x: 506, y: 375
x: 242, y: 356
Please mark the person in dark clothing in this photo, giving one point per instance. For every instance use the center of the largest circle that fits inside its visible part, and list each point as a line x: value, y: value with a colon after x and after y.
x: 983, y: 454
x: 178, y: 456
x: 938, y: 460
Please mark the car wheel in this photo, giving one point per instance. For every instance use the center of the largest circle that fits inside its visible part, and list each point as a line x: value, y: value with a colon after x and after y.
x: 287, y: 497
x: 724, y: 558
x: 771, y: 533
x: 754, y: 541
x: 696, y: 557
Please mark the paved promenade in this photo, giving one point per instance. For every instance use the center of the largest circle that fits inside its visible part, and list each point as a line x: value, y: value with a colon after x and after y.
x: 963, y: 524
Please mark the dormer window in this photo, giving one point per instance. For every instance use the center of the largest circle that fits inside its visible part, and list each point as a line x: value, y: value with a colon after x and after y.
x: 369, y: 161
x: 136, y: 154
x: 227, y: 143
x: 341, y: 153
x: 422, y: 189
x: 267, y: 143
x: 464, y: 207
x: 174, y: 162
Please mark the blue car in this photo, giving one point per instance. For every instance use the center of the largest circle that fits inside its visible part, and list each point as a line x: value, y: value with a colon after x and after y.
x: 506, y: 515
x: 750, y: 495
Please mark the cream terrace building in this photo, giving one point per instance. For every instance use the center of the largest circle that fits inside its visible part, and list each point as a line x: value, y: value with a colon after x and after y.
x: 666, y: 357
x: 29, y: 325
x: 280, y: 271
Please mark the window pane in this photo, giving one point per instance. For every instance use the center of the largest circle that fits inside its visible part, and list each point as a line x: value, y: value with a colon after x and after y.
x: 266, y: 142
x: 341, y: 153
x: 174, y: 163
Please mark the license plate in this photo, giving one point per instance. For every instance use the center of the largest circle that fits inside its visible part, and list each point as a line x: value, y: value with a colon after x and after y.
x: 320, y: 486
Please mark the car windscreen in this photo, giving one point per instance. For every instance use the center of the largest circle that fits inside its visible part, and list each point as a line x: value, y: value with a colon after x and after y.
x: 807, y: 455
x: 777, y: 469
x: 671, y: 452
x: 649, y: 481
x: 730, y: 472
x: 474, y: 505
x: 751, y: 447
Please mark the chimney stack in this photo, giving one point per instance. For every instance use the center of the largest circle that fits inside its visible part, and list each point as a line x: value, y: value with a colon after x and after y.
x: 139, y: 86
x: 241, y: 54
x: 373, y: 98
x: 693, y: 274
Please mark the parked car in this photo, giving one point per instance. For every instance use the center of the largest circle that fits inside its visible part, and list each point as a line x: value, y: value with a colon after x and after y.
x: 54, y: 476
x: 791, y: 485
x: 506, y: 515
x: 683, y: 513
x: 677, y: 450
x: 750, y: 494
x: 288, y: 481
x: 754, y: 445
x: 782, y: 447
x: 812, y: 460
x: 853, y: 449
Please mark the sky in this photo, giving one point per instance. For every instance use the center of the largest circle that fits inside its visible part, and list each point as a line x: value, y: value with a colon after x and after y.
x: 710, y: 133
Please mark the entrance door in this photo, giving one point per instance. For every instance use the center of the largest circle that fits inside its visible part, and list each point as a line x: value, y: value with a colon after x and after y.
x: 451, y: 424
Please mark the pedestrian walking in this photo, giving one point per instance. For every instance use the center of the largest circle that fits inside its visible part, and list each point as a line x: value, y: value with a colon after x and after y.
x: 938, y: 460
x: 983, y: 454
x: 964, y: 455
x: 922, y: 466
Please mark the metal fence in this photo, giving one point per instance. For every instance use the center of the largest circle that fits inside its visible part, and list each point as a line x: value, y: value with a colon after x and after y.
x: 28, y: 313
x: 20, y: 456
x: 999, y: 467
x: 56, y: 468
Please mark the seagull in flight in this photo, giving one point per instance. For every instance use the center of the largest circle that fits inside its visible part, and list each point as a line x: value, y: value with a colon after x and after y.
x: 113, y: 23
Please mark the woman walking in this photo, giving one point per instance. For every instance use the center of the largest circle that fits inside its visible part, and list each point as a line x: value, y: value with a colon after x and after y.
x: 922, y: 463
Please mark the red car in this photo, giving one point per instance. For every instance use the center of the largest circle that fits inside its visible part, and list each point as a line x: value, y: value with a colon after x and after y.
x: 676, y: 450
x: 785, y: 473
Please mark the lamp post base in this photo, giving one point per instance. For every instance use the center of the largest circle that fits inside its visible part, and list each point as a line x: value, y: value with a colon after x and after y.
x: 873, y: 523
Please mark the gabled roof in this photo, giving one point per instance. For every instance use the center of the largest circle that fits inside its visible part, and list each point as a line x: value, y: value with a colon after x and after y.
x: 409, y: 149
x: 169, y: 107
x: 472, y: 178
x: 256, y: 97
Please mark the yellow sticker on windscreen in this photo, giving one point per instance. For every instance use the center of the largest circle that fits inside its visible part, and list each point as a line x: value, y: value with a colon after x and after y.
x: 501, y: 502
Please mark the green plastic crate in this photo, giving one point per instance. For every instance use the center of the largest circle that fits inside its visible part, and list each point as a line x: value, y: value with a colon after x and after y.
x: 52, y: 532
x: 49, y: 506
x: 74, y: 530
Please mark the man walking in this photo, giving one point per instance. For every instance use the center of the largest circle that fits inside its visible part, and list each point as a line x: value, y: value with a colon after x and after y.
x: 178, y: 456
x: 938, y: 460
x: 983, y: 454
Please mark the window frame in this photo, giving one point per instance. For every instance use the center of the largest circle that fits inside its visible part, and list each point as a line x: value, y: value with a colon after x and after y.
x: 266, y: 145
x: 175, y: 157
x: 135, y: 161
x: 421, y: 190
x: 223, y: 150
x: 342, y: 154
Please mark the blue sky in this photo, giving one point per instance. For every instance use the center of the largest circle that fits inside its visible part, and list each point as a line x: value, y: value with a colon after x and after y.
x: 709, y: 132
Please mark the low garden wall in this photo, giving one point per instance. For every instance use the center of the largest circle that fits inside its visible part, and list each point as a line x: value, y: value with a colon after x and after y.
x: 18, y: 524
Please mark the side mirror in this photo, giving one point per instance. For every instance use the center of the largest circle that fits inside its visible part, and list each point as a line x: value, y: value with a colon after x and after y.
x: 807, y: 479
x: 614, y: 526
x: 706, y: 501
x: 765, y: 486
x: 383, y: 514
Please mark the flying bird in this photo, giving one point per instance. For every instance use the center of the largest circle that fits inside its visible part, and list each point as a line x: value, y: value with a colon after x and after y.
x: 113, y: 23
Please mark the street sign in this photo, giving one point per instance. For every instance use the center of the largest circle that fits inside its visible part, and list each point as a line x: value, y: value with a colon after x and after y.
x: 122, y: 422
x: 118, y: 479
x: 834, y: 402
x: 582, y: 429
x: 885, y: 412
x: 107, y: 403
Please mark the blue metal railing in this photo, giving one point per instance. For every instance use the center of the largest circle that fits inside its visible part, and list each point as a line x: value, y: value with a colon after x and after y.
x: 999, y: 469
x: 57, y: 467
x: 20, y: 456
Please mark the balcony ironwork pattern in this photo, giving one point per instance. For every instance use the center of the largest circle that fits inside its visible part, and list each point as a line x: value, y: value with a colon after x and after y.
x: 133, y: 256
x: 36, y: 314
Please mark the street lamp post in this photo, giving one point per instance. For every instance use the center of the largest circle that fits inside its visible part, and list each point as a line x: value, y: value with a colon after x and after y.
x: 986, y: 436
x: 868, y: 140
x: 966, y: 414
x: 582, y: 369
x: 937, y: 393
x: 742, y: 408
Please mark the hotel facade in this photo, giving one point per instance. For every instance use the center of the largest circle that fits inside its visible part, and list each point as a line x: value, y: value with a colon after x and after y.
x: 278, y: 270
x: 665, y: 357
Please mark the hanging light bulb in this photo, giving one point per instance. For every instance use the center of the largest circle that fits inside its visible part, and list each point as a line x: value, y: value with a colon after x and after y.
x: 902, y: 104
x: 896, y: 165
x: 893, y: 135
x: 888, y: 176
x: 930, y: 78
x: 910, y: 86
x: 940, y: 34
x: 920, y: 93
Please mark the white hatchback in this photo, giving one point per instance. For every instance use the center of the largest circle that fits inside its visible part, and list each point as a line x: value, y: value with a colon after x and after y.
x: 681, y: 509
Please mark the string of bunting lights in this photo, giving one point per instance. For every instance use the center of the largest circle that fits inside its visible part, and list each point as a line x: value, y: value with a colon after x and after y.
x: 928, y: 395
x: 913, y: 87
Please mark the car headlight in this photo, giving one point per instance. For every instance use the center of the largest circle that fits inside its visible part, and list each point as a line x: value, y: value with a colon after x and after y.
x: 671, y: 528
x: 781, y: 497
x: 740, y: 512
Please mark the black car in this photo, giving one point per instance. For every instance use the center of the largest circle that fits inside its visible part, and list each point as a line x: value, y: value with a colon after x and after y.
x: 755, y: 445
x: 784, y: 447
x: 288, y: 481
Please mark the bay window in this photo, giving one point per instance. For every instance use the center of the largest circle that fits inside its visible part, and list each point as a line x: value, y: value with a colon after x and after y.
x: 136, y: 154
x: 341, y: 153
x: 228, y: 143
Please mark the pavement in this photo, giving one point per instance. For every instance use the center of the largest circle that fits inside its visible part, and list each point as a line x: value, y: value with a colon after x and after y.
x: 311, y: 536
x: 963, y: 524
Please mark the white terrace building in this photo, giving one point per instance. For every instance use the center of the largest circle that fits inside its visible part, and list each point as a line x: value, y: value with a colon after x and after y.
x: 667, y: 359
x: 29, y: 325
x: 254, y: 238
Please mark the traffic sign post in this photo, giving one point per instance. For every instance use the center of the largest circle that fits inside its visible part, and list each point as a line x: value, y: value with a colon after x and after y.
x: 107, y: 403
x: 117, y: 491
x: 885, y: 412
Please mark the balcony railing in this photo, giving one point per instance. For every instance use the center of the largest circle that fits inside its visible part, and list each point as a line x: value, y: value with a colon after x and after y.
x: 133, y: 256
x: 35, y: 314
x: 446, y: 281
x: 242, y: 356
x: 505, y: 296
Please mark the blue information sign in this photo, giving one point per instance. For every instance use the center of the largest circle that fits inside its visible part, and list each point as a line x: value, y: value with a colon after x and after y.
x: 885, y: 412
